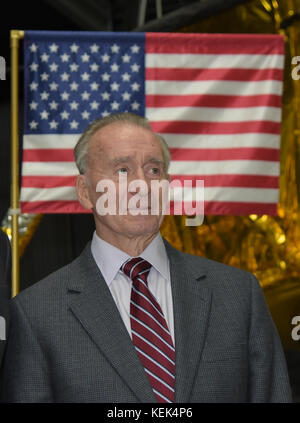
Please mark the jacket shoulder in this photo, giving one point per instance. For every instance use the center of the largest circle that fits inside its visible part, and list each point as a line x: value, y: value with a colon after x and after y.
x: 57, y: 282
x: 208, y: 266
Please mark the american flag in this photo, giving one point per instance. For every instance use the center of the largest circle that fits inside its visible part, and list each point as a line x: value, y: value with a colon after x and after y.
x: 216, y: 98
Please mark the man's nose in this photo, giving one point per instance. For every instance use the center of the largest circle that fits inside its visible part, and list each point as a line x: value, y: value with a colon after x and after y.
x: 144, y: 187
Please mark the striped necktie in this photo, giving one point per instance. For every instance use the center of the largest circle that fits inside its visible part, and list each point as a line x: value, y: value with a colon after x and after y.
x: 150, y: 333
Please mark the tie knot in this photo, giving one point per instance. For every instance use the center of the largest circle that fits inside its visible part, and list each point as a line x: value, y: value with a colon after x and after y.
x: 136, y: 267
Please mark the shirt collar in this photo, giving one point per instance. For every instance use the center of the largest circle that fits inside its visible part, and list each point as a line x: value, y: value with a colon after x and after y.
x: 109, y: 258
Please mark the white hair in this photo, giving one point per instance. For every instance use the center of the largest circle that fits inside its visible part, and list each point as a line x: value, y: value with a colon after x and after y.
x: 81, y: 148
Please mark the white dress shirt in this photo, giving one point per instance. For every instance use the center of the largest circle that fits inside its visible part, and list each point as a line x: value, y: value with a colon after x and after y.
x: 109, y: 260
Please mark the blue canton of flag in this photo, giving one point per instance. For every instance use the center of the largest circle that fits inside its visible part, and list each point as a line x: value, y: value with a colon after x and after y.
x: 71, y: 81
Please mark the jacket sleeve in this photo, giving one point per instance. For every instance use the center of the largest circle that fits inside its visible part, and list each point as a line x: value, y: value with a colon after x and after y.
x: 268, y: 375
x: 25, y: 375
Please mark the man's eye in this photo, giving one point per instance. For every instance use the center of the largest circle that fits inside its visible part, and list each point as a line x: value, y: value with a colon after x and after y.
x: 155, y: 170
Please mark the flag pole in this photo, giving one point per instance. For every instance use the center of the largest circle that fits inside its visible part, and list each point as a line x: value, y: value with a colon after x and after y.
x: 15, y: 36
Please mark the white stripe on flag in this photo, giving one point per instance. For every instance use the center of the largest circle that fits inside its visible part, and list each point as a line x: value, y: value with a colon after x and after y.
x: 50, y: 141
x: 222, y: 141
x: 213, y: 87
x: 260, y: 195
x: 56, y: 141
x: 49, y: 169
x: 221, y: 167
x: 49, y: 194
x: 203, y: 114
x: 243, y: 195
x: 225, y: 167
x: 217, y: 61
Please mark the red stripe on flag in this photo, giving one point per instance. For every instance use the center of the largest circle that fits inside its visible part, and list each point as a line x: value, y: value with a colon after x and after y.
x: 241, y: 153
x: 48, y: 155
x: 204, y: 154
x: 62, y: 206
x: 177, y: 43
x: 240, y: 209
x: 246, y: 181
x: 210, y: 208
x: 206, y: 74
x: 48, y: 181
x: 208, y: 100
x: 188, y: 127
x: 233, y: 208
x: 241, y: 181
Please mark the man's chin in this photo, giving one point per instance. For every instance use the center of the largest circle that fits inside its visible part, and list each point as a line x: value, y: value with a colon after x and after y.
x: 143, y: 222
x: 139, y: 212
x: 145, y: 212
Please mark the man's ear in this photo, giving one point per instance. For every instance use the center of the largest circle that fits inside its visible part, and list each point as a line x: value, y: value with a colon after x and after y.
x: 83, y: 192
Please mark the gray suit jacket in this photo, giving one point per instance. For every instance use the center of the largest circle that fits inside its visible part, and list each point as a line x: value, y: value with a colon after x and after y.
x: 68, y: 343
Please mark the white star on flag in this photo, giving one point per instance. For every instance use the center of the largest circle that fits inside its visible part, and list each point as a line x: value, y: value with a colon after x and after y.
x: 74, y: 67
x: 126, y: 58
x: 74, y: 124
x: 44, y: 114
x: 33, y: 124
x: 135, y: 49
x: 105, y: 95
x: 44, y: 76
x: 94, y: 105
x: 65, y: 115
x: 94, y: 67
x: 85, y: 95
x: 126, y: 96
x: 53, y: 124
x: 33, y: 105
x: 115, y: 105
x: 74, y: 105
x: 114, y: 86
x: 53, y: 67
x: 34, y: 67
x: 53, y: 86
x: 45, y: 57
x: 94, y: 48
x: 85, y: 57
x: 105, y: 77
x: 105, y: 58
x: 33, y: 86
x: 53, y: 48
x: 53, y: 105
x: 85, y: 114
x: 74, y: 86
x: 33, y: 48
x: 65, y: 57
x: 65, y: 96
x: 74, y: 48
x: 115, y: 48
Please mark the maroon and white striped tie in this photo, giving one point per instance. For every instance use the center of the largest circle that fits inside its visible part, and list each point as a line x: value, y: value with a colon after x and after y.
x: 150, y: 333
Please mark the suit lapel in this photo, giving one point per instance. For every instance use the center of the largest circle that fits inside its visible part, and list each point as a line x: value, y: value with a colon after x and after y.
x: 191, y: 307
x: 92, y: 304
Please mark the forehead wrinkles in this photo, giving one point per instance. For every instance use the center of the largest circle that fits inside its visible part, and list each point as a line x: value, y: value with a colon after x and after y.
x: 117, y: 139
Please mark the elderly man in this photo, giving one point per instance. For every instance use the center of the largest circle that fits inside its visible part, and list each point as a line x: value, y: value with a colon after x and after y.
x: 132, y: 319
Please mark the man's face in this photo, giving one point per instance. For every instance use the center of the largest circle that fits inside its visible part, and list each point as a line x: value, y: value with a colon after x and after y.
x: 129, y: 152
